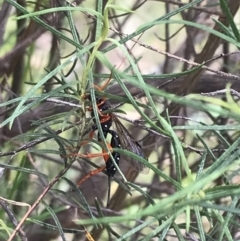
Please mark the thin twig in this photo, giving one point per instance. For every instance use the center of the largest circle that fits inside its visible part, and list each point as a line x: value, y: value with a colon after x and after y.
x: 12, y: 219
x: 222, y: 92
x: 203, y: 66
x: 201, y: 9
x: 61, y: 102
x: 38, y: 141
x: 50, y: 185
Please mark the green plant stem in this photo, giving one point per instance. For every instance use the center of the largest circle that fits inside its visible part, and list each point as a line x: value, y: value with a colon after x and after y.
x: 104, y: 32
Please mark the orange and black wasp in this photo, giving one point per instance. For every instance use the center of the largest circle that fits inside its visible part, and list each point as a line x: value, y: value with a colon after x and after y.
x: 120, y: 138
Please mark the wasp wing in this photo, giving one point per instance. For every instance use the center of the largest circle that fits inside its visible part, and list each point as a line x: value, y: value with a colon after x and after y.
x: 128, y: 143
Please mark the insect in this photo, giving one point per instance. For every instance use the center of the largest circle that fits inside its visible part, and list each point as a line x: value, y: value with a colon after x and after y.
x: 105, y: 119
x: 110, y: 167
x: 115, y: 143
x: 127, y: 141
x: 120, y: 138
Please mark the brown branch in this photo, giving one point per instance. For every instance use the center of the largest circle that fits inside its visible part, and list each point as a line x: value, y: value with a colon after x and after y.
x: 50, y: 185
x: 208, y: 51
